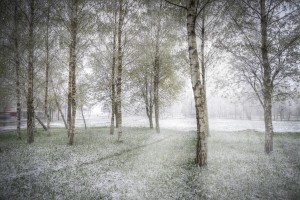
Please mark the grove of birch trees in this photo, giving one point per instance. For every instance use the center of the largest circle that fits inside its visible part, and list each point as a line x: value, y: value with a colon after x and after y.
x: 136, y: 55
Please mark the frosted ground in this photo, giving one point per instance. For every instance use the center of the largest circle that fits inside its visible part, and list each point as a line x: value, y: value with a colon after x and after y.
x: 189, y: 124
x: 148, y: 166
x: 180, y: 123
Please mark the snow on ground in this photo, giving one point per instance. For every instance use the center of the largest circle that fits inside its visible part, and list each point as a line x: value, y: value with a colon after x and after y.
x: 188, y: 124
x: 149, y: 166
x: 183, y: 124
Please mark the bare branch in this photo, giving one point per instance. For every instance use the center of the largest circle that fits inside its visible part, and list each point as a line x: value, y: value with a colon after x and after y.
x: 252, y: 8
x: 174, y: 4
x: 206, y: 3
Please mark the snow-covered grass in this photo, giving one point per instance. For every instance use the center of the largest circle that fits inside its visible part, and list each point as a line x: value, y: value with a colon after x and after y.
x: 180, y: 123
x: 148, y: 166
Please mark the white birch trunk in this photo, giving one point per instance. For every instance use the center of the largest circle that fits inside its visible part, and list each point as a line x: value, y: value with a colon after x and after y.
x: 198, y: 90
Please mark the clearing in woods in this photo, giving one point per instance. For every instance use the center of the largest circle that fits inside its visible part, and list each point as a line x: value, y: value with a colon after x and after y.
x: 148, y: 166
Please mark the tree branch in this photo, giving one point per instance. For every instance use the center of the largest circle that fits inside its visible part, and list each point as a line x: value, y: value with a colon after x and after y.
x: 174, y: 4
x: 207, y: 2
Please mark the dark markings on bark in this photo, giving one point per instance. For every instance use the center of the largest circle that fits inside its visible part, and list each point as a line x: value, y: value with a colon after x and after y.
x: 72, y: 72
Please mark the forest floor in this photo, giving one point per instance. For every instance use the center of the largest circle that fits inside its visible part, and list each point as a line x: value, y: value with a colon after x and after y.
x: 148, y: 166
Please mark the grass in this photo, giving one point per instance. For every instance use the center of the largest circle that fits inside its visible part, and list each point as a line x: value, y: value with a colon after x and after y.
x: 148, y: 166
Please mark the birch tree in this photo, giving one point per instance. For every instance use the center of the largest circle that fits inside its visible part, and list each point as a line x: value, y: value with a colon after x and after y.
x: 120, y: 69
x: 265, y: 63
x: 30, y: 108
x: 208, y: 30
x: 113, y: 70
x: 17, y: 67
x: 72, y: 71
x: 193, y: 9
x: 157, y: 68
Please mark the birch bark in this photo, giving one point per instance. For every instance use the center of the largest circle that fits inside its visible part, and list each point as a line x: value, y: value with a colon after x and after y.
x: 72, y: 73
x: 198, y: 90
x: 203, y: 69
x: 119, y: 74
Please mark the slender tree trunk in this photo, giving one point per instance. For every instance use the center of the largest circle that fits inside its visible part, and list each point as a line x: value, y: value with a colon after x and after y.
x: 47, y: 68
x: 33, y: 120
x: 150, y: 116
x: 119, y: 83
x: 41, y: 123
x: 113, y: 68
x: 17, y: 63
x: 72, y: 64
x: 148, y: 101
x: 203, y: 70
x: 116, y: 112
x: 30, y: 108
x: 69, y: 105
x: 151, y: 101
x: 267, y: 83
x: 157, y: 70
x: 83, y: 117
x: 198, y: 90
x: 59, y: 108
x: 61, y: 113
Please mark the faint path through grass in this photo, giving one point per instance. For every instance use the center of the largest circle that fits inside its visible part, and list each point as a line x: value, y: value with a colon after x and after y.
x: 149, y: 166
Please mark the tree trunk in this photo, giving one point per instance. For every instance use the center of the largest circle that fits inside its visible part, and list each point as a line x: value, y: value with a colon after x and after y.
x: 150, y: 117
x: 59, y: 108
x: 69, y: 105
x: 30, y: 108
x: 47, y: 68
x: 83, y: 117
x: 148, y: 101
x: 33, y: 124
x: 157, y: 70
x: 113, y: 68
x: 119, y: 83
x: 41, y: 123
x: 151, y: 104
x: 17, y: 63
x: 201, y: 148
x: 62, y: 115
x: 267, y: 83
x: 116, y: 112
x: 72, y: 74
x: 204, y: 71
